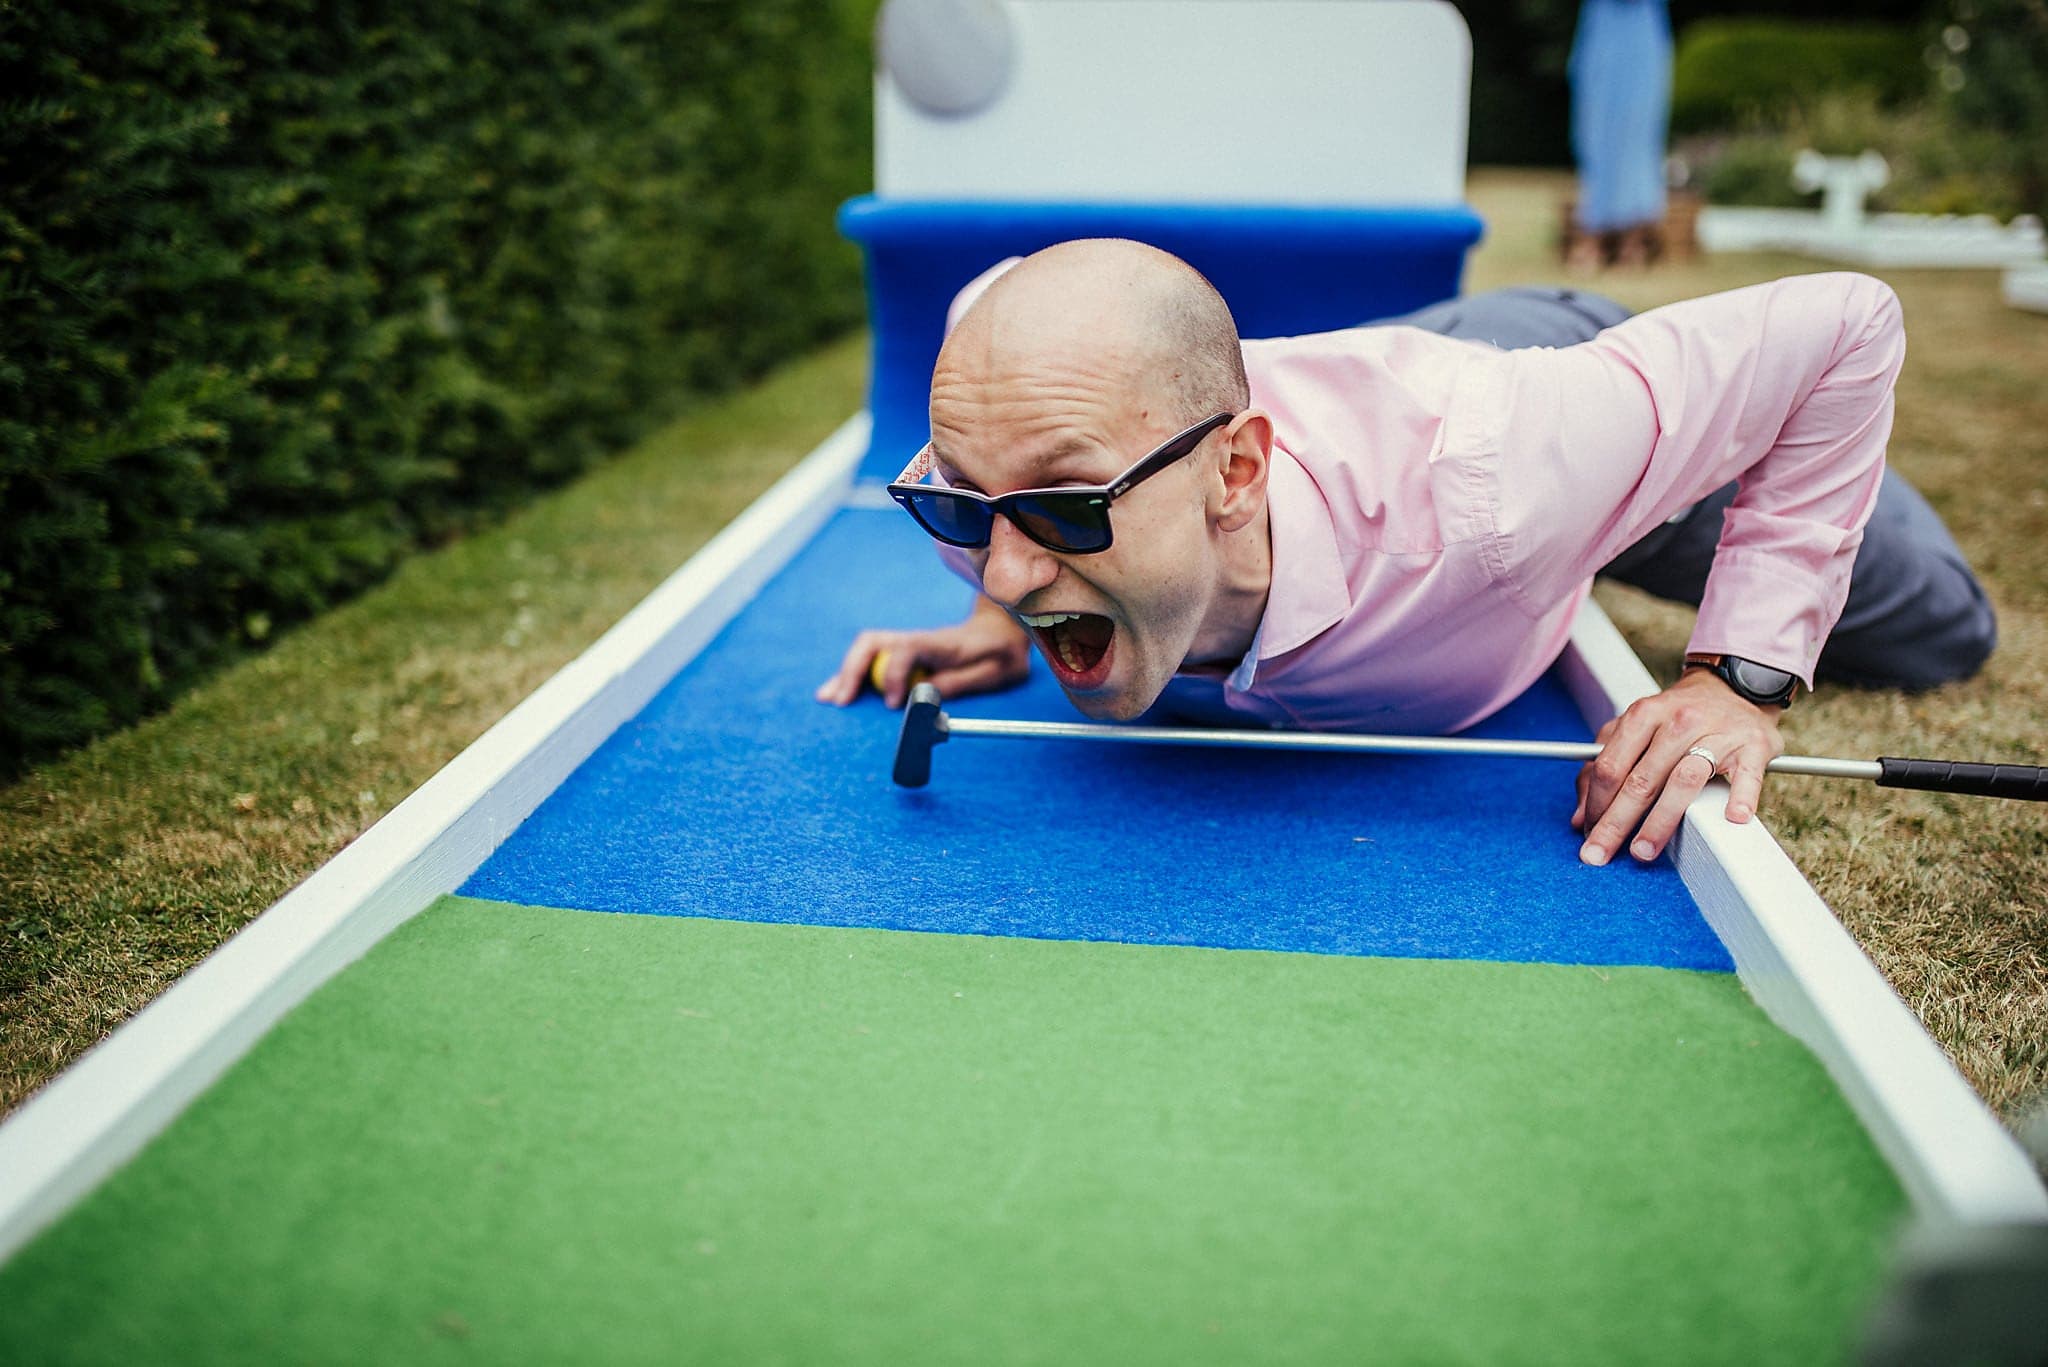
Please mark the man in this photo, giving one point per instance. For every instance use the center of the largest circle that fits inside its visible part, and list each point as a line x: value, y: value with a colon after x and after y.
x: 1389, y: 529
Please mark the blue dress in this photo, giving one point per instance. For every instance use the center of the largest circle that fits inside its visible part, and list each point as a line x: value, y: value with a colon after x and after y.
x: 1621, y: 107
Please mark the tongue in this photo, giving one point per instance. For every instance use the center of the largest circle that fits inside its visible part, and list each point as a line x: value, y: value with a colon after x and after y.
x: 1084, y: 639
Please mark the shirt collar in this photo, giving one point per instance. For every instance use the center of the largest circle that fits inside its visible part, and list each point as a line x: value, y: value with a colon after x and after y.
x: 1309, y: 593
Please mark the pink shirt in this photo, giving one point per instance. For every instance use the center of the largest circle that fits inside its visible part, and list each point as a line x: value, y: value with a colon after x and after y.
x: 1439, y: 507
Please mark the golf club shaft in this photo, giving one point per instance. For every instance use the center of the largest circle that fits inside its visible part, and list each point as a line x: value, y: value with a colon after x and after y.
x: 1819, y: 766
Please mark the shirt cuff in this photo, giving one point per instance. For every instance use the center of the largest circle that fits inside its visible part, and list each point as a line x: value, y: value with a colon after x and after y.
x: 1756, y: 608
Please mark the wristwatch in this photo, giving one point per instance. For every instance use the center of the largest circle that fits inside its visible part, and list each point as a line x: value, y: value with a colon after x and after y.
x: 1752, y: 682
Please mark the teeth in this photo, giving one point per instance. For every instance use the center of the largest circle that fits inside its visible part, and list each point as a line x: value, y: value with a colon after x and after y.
x: 1050, y: 619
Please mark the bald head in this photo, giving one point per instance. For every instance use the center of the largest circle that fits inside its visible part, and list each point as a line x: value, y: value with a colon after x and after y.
x: 1112, y: 310
x: 1070, y: 367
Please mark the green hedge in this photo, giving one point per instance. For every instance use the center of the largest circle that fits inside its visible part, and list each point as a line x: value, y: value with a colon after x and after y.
x: 1992, y: 65
x: 1731, y: 71
x: 293, y: 286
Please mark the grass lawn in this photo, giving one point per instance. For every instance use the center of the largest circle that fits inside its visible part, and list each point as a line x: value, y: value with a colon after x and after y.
x: 125, y: 863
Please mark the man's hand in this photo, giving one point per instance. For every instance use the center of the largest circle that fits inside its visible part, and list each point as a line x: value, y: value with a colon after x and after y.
x: 1644, y: 776
x: 986, y: 652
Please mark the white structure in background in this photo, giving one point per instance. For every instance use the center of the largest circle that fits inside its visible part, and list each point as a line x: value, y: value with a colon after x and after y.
x: 1840, y: 230
x: 1843, y: 182
x: 2027, y: 288
x: 1273, y: 102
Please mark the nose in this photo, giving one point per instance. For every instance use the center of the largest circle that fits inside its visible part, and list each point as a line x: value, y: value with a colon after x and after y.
x: 1014, y: 567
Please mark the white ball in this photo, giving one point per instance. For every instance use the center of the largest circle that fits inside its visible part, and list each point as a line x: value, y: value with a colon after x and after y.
x: 950, y: 57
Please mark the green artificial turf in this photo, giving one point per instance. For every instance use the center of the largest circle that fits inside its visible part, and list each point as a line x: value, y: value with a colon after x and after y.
x: 522, y: 1135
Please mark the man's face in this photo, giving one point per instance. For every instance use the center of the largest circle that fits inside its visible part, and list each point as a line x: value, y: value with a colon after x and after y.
x: 1113, y: 625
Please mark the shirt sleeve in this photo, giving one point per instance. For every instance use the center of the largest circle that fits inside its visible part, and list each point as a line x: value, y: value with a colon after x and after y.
x: 1785, y: 388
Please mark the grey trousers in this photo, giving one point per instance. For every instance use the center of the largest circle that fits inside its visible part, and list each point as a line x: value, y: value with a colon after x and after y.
x: 1916, y: 616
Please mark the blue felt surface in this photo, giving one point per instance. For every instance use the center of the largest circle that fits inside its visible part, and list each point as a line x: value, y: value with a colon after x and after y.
x: 1284, y: 270
x: 735, y: 795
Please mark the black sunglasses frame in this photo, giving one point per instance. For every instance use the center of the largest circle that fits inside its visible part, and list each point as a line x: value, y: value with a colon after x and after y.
x: 1078, y: 505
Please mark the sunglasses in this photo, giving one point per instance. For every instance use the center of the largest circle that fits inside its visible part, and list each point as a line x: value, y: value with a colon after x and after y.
x: 1074, y: 519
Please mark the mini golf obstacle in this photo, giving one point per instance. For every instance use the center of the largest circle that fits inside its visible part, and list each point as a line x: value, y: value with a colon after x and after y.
x: 969, y: 1072
x: 1841, y: 229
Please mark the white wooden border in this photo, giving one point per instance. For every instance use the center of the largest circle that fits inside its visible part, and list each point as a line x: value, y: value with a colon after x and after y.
x: 1954, y: 1158
x: 105, y: 1107
x: 1951, y: 1154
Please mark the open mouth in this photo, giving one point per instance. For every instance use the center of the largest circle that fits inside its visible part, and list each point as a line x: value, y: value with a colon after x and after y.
x: 1076, y: 645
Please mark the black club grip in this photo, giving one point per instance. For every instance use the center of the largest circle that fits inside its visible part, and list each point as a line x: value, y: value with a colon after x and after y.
x: 2025, y: 781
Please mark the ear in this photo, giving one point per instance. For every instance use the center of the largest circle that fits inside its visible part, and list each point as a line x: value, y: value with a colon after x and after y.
x: 1248, y: 458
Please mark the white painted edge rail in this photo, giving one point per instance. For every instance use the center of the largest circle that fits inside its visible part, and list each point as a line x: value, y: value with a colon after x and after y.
x: 1954, y: 1158
x: 1951, y: 1154
x: 101, y: 1111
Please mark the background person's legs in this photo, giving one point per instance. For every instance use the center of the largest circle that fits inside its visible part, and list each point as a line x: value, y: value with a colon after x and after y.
x: 1916, y: 615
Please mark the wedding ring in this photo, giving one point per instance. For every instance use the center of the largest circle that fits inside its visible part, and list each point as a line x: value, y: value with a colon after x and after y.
x: 1708, y: 755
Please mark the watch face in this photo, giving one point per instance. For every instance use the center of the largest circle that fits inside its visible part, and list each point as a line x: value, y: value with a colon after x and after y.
x: 1758, y: 681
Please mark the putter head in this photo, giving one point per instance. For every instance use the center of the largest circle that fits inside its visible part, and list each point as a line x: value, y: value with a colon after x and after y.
x: 924, y: 726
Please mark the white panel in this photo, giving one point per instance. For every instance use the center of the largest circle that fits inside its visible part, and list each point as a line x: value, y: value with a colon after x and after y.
x: 1325, y: 102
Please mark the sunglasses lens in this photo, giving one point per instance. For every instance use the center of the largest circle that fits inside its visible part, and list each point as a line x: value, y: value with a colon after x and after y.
x: 955, y: 520
x: 1077, y: 523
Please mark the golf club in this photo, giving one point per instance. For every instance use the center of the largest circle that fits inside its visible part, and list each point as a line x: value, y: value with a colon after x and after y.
x: 926, y: 724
